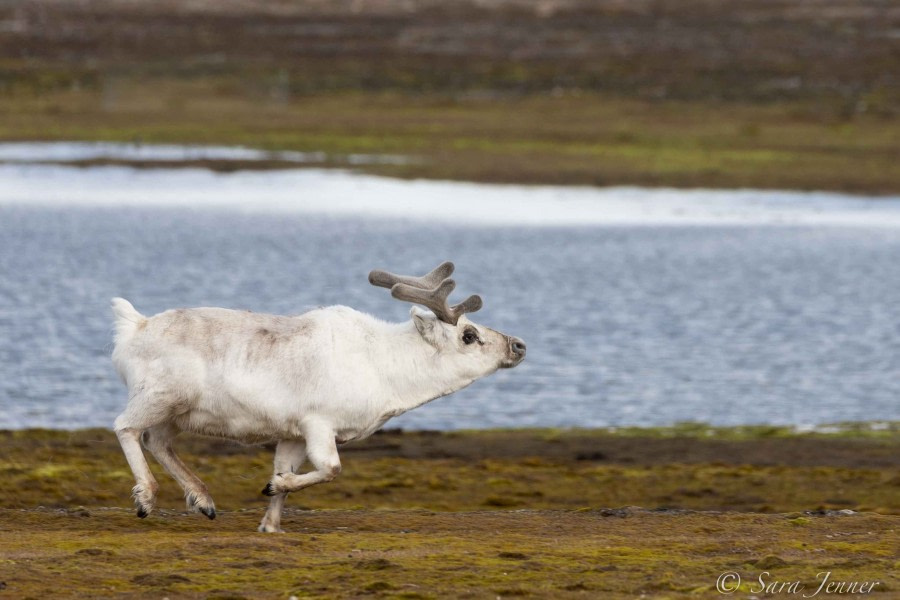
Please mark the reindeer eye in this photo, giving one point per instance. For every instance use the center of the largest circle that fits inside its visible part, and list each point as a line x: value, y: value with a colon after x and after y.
x: 469, y: 336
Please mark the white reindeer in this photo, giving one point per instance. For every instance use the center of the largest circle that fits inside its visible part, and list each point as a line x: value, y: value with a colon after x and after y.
x: 326, y: 377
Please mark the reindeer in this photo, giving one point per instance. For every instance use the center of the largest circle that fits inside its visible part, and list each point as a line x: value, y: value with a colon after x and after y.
x: 310, y: 382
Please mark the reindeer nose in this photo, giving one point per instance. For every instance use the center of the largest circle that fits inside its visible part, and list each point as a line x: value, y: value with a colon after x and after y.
x: 517, y: 346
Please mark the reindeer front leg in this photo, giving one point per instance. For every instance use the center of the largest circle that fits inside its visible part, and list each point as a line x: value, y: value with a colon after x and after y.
x: 289, y: 457
x: 321, y: 450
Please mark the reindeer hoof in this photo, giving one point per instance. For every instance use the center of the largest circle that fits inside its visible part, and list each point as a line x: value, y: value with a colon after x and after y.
x: 269, y: 490
x: 141, y: 513
x: 201, y: 503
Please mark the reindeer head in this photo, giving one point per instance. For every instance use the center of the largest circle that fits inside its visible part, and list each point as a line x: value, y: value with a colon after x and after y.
x: 447, y: 328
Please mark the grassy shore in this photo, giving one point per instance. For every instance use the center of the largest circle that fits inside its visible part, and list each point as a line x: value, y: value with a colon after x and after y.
x: 580, y: 139
x: 770, y: 94
x: 541, y: 513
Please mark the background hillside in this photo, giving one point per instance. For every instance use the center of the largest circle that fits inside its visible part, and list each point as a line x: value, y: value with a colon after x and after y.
x: 770, y: 93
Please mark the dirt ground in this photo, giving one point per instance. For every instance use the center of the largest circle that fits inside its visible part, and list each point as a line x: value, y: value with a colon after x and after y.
x: 540, y: 513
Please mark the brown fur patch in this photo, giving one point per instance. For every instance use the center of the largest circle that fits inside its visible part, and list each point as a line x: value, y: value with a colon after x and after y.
x: 216, y: 333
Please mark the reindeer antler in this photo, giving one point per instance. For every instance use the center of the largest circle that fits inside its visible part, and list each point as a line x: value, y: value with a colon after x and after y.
x: 430, y: 291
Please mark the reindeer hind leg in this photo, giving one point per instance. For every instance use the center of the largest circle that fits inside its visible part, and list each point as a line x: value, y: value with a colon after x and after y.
x: 145, y: 485
x: 158, y: 439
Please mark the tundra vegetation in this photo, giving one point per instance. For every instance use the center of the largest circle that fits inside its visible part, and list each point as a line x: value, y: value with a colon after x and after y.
x: 766, y: 94
x: 539, y: 513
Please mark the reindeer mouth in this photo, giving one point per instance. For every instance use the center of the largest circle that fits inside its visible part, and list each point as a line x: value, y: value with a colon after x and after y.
x: 509, y: 363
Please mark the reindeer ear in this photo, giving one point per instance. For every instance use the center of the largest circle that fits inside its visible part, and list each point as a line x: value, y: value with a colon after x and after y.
x: 426, y: 324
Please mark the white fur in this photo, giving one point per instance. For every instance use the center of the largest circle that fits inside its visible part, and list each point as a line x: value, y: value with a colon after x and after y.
x: 311, y: 381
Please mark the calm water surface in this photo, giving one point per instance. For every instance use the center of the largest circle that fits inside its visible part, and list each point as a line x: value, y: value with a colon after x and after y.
x: 625, y: 324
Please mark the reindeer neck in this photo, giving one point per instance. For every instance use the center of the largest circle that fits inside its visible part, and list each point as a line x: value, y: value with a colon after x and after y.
x: 413, y: 371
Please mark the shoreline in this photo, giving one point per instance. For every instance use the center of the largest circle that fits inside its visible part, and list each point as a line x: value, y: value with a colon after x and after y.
x: 680, y: 144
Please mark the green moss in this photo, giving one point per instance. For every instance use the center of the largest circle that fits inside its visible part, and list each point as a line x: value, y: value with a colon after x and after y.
x: 47, y: 471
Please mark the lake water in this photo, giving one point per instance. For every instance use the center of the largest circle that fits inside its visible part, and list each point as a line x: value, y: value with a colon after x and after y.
x: 639, y: 307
